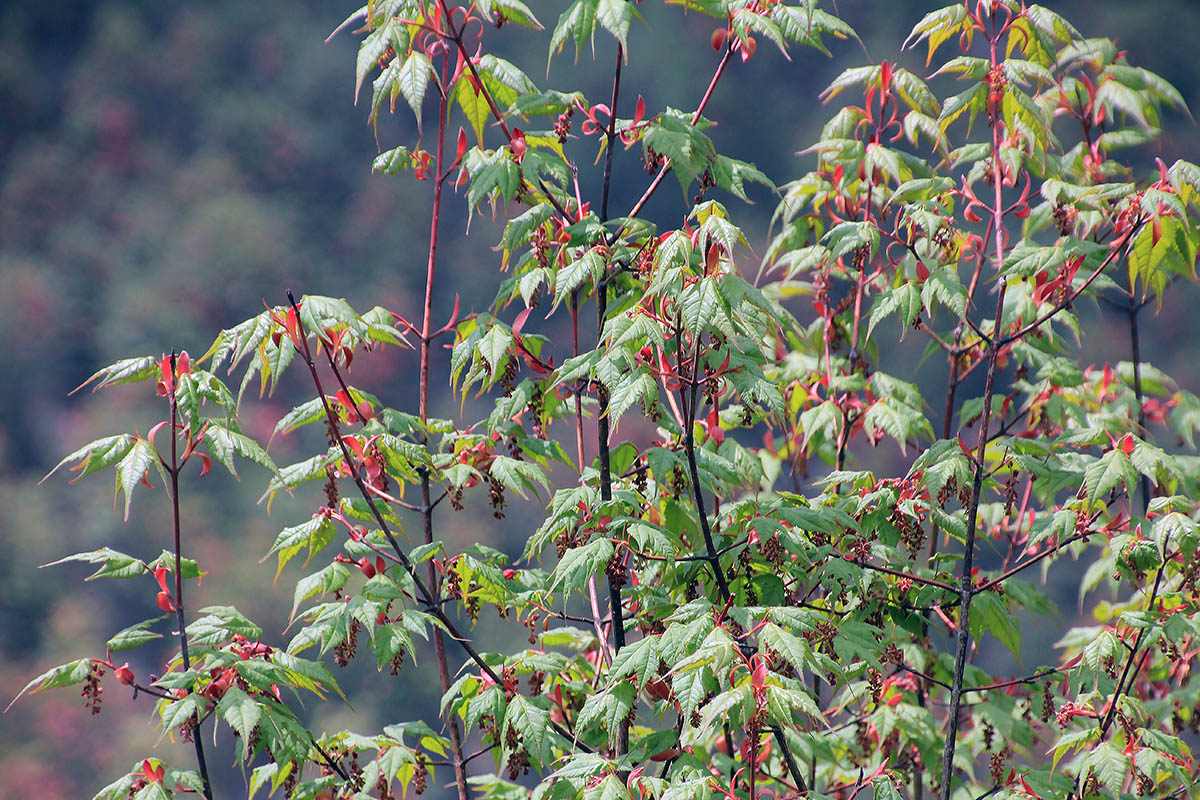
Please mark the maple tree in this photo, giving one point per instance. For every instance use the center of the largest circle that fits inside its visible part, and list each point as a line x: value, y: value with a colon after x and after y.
x: 749, y: 599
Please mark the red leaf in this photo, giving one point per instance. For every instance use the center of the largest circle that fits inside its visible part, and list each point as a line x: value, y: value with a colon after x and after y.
x: 758, y: 677
x: 712, y: 427
x: 155, y: 430
x: 168, y: 380
x: 165, y: 602
x: 748, y: 48
x: 963, y: 446
x: 519, y: 322
x: 880, y: 770
x: 153, y: 774
x: 462, y: 145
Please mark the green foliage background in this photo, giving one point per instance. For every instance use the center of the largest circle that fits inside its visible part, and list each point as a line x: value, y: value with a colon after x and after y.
x: 166, y: 167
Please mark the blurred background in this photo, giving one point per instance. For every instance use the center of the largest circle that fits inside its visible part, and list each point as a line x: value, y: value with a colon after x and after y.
x: 167, y: 167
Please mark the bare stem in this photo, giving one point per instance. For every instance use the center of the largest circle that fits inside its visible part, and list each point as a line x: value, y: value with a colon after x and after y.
x: 602, y: 420
x: 439, y: 644
x: 965, y: 588
x: 689, y: 446
x: 197, y: 740
x: 1136, y: 348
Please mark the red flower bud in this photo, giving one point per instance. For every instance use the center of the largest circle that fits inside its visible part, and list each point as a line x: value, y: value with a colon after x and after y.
x: 718, y: 38
x: 517, y: 145
x: 165, y: 602
x: 124, y: 674
x: 367, y: 567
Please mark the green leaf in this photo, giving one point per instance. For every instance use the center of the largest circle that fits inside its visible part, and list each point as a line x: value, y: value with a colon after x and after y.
x: 223, y: 444
x: 473, y: 104
x: 635, y: 386
x: 532, y: 724
x: 848, y: 237
x: 115, y: 564
x: 615, y: 16
x: 577, y: 22
x: 303, y: 414
x: 904, y: 300
x: 135, y: 466
x: 580, y: 563
x: 1109, y: 765
x: 944, y: 286
x: 1101, y: 476
x: 178, y: 712
x: 515, y: 11
x: 640, y: 659
x: 370, y: 51
x: 731, y: 706
x: 590, y: 265
x: 731, y: 175
x: 609, y: 707
x: 518, y: 475
x: 316, y: 534
x: 241, y: 711
x: 329, y: 579
x: 220, y: 623
x: 128, y: 370
x: 989, y: 612
x: 413, y: 80
x: 134, y: 636
x: 95, y: 456
x: 699, y: 305
x: 396, y: 160
x: 494, y: 346
x: 260, y: 776
x: 67, y: 674
x: 973, y: 99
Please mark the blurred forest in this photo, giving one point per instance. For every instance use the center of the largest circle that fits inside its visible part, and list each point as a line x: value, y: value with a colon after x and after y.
x: 165, y: 168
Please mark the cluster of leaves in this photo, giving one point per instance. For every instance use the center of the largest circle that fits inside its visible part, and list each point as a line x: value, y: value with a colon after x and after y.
x: 780, y: 616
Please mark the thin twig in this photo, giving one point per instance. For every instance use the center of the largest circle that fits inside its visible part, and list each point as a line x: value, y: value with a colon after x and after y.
x: 662, y: 172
